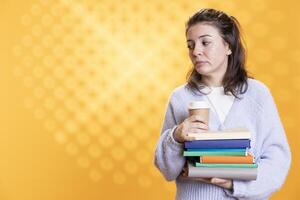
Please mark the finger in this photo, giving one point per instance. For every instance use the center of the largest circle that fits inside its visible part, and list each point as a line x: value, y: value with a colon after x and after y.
x: 189, y: 138
x: 199, y: 125
x: 219, y: 181
x: 197, y: 118
x: 227, y: 185
x: 196, y: 130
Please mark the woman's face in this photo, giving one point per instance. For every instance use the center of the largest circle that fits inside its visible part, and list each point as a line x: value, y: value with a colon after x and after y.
x: 207, y: 50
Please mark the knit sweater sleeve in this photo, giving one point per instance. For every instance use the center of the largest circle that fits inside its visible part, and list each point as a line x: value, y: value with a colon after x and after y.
x: 274, y: 158
x: 169, y: 153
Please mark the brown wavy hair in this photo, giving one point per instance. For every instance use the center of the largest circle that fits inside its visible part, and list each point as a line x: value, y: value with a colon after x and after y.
x: 235, y: 78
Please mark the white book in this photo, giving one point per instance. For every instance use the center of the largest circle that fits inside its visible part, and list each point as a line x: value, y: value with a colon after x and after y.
x: 227, y: 173
x: 239, y: 133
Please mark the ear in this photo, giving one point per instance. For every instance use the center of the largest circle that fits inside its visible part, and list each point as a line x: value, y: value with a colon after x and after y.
x: 228, y: 49
x: 229, y: 52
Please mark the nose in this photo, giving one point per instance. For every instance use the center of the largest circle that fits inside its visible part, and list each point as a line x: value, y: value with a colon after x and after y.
x: 198, y: 49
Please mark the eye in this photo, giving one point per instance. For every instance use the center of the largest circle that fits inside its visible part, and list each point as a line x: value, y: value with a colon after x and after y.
x: 190, y: 46
x: 205, y: 43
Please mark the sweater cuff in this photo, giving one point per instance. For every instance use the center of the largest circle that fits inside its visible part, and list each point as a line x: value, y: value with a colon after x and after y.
x: 173, y: 143
x: 238, y: 189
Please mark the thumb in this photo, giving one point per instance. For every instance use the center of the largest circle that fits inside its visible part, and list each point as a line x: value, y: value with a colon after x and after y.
x: 218, y: 181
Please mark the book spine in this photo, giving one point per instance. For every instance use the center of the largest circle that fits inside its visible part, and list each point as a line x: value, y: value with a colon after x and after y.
x: 226, y: 165
x: 226, y: 173
x: 214, y: 153
x: 227, y: 159
x: 218, y: 150
x: 229, y: 143
x: 217, y: 137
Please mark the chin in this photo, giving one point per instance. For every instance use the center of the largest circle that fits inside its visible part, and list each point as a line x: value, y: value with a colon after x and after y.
x: 201, y: 70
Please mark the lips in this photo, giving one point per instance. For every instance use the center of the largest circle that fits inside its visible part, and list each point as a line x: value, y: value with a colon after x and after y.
x: 200, y: 62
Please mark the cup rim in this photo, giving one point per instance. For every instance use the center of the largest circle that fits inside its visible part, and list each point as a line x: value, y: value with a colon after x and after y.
x: 198, y: 105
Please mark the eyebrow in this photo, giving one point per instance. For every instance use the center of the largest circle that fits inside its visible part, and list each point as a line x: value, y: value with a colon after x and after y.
x: 200, y: 37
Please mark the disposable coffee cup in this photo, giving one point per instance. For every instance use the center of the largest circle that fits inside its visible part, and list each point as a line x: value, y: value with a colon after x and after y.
x: 199, y: 108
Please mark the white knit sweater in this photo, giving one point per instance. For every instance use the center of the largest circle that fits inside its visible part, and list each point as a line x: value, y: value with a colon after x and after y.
x: 255, y: 110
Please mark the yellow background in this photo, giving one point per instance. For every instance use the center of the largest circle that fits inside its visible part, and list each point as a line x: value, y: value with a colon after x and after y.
x: 84, y: 85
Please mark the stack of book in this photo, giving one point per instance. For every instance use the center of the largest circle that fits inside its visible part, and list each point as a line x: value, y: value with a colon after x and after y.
x: 221, y: 154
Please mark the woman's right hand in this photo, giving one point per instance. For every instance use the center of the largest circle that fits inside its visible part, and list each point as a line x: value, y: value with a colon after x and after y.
x: 192, y: 124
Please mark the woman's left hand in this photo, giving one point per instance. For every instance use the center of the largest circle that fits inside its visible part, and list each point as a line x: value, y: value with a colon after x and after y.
x: 225, y: 183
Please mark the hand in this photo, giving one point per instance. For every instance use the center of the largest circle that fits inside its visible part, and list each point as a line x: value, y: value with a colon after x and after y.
x: 224, y: 183
x: 192, y: 124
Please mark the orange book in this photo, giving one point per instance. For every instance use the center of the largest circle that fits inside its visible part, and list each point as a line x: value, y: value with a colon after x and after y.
x: 227, y: 159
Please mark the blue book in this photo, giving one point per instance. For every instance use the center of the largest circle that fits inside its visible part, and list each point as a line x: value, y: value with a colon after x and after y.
x: 219, y: 150
x: 212, y: 144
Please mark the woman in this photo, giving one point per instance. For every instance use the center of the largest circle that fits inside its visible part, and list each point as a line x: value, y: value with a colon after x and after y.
x: 219, y: 77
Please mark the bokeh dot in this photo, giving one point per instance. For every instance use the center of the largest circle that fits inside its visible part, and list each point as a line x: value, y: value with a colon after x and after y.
x: 48, y: 41
x: 72, y: 127
x: 28, y: 61
x: 57, y: 30
x: 83, y: 162
x: 39, y: 92
x: 94, y: 151
x: 94, y: 128
x: 278, y: 43
x: 119, y: 178
x: 59, y: 72
x: 72, y: 149
x: 106, y: 164
x: 144, y: 181
x: 143, y: 156
x: 57, y: 10
x: 83, y: 139
x: 45, y: 2
x: 39, y: 113
x: 26, y: 20
x: 60, y: 92
x: 49, y: 103
x: 28, y: 81
x: 130, y: 167
x: 60, y: 115
x: 38, y: 72
x: 118, y: 153
x: 17, y: 72
x: 27, y: 41
x: 60, y: 137
x: 95, y: 175
x: 48, y: 61
x: 17, y: 50
x: 37, y: 51
x: 83, y: 118
x: 36, y: 30
x: 49, y: 82
x: 129, y: 143
x: 47, y: 20
x: 105, y: 140
x: 36, y: 10
x: 50, y: 125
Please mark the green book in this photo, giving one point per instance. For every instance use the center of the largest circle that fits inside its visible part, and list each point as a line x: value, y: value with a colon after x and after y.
x: 215, y: 153
x: 226, y: 165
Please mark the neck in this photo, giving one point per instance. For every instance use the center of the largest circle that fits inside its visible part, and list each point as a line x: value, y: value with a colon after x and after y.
x: 212, y: 81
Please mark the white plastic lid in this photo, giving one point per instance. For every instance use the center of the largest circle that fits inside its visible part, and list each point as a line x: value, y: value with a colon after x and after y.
x: 198, y: 105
